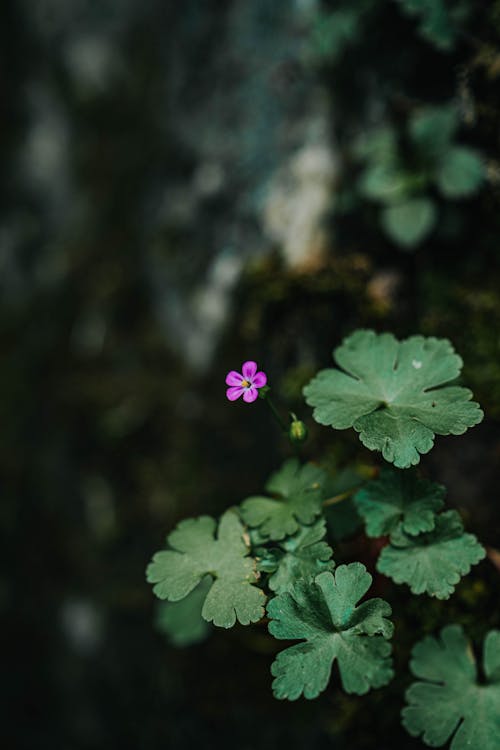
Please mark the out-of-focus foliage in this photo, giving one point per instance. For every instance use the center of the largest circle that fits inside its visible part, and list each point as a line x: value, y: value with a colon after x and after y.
x: 399, y: 176
x: 440, y: 22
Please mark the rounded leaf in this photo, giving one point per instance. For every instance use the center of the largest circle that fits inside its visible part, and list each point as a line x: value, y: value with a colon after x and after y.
x: 409, y: 223
x: 461, y: 173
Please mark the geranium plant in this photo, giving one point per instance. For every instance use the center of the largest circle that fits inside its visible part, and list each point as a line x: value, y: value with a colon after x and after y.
x: 271, y: 558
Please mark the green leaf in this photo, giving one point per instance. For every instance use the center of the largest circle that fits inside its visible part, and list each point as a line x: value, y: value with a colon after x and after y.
x: 461, y: 172
x: 300, y: 558
x: 379, y: 145
x: 450, y: 702
x: 409, y: 223
x: 181, y: 622
x: 325, y: 616
x: 432, y: 563
x: 298, y: 501
x: 384, y: 183
x: 399, y: 499
x: 432, y: 129
x: 333, y: 33
x: 256, y: 540
x: 194, y: 553
x: 392, y: 393
x: 439, y: 23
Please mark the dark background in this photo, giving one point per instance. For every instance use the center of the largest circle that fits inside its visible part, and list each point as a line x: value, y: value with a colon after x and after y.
x: 178, y: 195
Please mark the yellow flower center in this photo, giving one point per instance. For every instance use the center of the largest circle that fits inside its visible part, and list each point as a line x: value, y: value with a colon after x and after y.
x: 245, y: 383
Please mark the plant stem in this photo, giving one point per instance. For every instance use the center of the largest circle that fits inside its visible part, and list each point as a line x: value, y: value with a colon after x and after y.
x: 338, y: 498
x: 276, y: 415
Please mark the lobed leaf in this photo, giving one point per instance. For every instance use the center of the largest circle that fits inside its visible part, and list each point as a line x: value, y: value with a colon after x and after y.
x: 433, y: 562
x: 325, y: 616
x: 449, y: 702
x: 394, y: 394
x: 298, y: 501
x: 399, y: 499
x: 299, y: 558
x: 195, y: 553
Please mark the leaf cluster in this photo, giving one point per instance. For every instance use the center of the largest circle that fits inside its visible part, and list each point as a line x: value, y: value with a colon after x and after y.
x: 221, y: 579
x: 312, y: 602
x: 402, y: 169
x: 297, y: 558
x: 428, y: 550
x: 274, y: 548
x: 439, y: 21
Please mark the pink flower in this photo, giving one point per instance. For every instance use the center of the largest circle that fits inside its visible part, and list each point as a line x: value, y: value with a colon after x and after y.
x: 246, y: 383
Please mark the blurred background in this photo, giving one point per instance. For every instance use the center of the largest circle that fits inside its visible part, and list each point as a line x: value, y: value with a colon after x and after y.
x: 185, y: 186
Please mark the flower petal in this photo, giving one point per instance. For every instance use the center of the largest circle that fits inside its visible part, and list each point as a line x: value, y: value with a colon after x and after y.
x: 259, y: 380
x: 234, y: 393
x: 234, y: 378
x: 249, y: 369
x: 250, y: 394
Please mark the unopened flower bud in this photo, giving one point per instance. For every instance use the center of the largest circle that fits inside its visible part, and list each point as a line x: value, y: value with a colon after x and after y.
x: 297, y: 432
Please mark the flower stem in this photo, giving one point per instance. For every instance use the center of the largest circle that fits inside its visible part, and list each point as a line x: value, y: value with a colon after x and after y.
x: 276, y: 414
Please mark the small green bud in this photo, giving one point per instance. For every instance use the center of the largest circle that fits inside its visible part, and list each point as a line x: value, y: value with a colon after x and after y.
x: 297, y: 432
